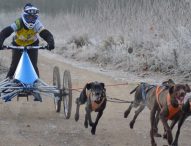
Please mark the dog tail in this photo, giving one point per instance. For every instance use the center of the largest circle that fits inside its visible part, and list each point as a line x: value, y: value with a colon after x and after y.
x: 134, y: 90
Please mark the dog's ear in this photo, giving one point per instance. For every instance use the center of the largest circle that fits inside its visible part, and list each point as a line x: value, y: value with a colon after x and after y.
x: 88, y: 86
x: 103, y: 85
x: 188, y: 90
x: 171, y: 82
x: 168, y: 83
x: 171, y: 90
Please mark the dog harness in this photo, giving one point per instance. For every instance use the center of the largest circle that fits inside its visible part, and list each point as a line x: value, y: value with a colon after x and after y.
x: 144, y: 90
x: 172, y: 110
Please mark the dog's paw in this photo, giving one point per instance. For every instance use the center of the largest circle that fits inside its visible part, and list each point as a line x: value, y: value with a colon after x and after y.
x: 93, y: 131
x: 174, y: 144
x: 153, y: 144
x: 76, y: 117
x: 131, y: 124
x: 126, y: 114
x: 86, y: 124
x: 157, y: 135
x: 91, y: 124
x: 165, y: 135
x: 169, y: 137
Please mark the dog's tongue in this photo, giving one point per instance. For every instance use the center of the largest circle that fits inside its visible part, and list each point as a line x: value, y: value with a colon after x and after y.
x: 180, y: 99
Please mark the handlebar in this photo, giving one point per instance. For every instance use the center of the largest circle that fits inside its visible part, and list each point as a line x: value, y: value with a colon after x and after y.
x: 24, y: 47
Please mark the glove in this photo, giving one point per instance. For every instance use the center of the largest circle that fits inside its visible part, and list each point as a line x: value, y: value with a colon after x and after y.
x: 1, y: 46
x: 50, y: 47
x: 50, y: 42
x: 48, y: 37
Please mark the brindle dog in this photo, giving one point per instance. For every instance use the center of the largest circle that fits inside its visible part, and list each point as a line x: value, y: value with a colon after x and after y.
x: 186, y: 112
x: 140, y: 101
x: 160, y: 103
x: 94, y: 95
x: 145, y: 95
x: 180, y: 117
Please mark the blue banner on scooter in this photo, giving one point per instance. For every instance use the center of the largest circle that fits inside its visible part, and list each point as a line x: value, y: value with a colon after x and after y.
x: 25, y: 71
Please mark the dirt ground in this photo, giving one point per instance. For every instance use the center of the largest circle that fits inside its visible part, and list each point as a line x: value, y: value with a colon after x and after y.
x: 37, y: 124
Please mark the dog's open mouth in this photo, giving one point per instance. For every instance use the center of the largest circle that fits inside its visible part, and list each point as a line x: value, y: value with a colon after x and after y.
x: 180, y: 99
x: 98, y: 100
x: 95, y: 99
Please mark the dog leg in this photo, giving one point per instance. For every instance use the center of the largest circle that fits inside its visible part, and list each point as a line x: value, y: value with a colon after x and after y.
x: 77, y: 109
x: 167, y: 128
x: 173, y: 123
x: 181, y: 121
x: 156, y: 134
x: 126, y: 113
x: 100, y: 113
x: 86, y: 120
x: 152, y: 120
x: 137, y: 112
x: 88, y: 117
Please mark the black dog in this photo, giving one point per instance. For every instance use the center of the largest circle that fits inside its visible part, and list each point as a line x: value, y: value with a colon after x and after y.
x: 180, y: 118
x: 94, y: 95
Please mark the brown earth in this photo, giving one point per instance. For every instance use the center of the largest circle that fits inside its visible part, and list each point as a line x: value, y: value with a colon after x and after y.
x: 37, y: 124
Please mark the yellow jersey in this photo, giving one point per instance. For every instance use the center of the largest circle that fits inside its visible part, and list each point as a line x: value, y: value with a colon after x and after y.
x: 24, y: 36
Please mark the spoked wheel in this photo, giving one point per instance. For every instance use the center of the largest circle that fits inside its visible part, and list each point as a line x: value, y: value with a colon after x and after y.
x: 56, y: 82
x: 67, y: 94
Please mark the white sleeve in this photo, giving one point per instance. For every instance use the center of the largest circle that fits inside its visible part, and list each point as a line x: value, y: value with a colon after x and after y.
x: 38, y: 27
x: 14, y: 26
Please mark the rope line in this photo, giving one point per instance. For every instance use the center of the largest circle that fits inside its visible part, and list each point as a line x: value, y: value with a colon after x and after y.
x: 117, y: 84
x: 116, y: 100
x: 78, y: 89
